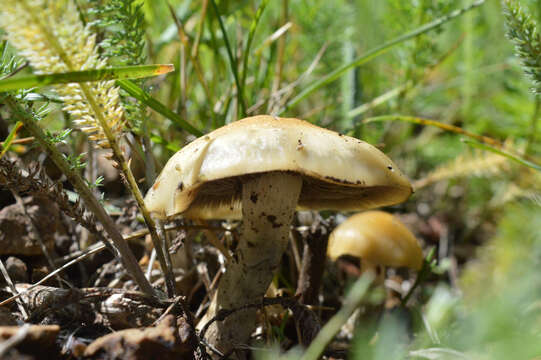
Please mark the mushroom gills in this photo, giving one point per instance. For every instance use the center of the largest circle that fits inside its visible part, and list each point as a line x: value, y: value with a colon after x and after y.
x: 223, y: 196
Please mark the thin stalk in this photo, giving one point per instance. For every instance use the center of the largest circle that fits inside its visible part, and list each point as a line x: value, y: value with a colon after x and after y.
x: 516, y: 158
x: 443, y: 126
x: 281, y: 96
x: 183, y: 84
x: 348, y: 84
x: 468, y: 90
x: 151, y: 264
x: 273, y: 37
x: 133, y: 186
x: 251, y: 34
x: 421, y: 276
x: 117, y: 155
x: 20, y: 304
x: 91, y: 171
x: 533, y: 126
x: 195, y: 49
x: 85, y: 193
x: 165, y: 247
x: 195, y: 61
x: 389, y: 95
x: 25, y: 140
x: 4, y: 146
x: 281, y: 50
x: 327, y: 333
x: 232, y: 60
x: 141, y: 95
x: 379, y: 50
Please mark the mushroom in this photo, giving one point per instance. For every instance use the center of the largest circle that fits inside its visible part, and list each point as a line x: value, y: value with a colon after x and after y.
x: 264, y: 168
x: 378, y: 239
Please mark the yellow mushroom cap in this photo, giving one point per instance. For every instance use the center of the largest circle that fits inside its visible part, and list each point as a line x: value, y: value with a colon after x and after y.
x: 377, y: 237
x: 204, y: 179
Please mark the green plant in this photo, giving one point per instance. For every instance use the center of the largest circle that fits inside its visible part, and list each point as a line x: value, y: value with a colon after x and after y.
x: 29, y: 118
x: 56, y: 41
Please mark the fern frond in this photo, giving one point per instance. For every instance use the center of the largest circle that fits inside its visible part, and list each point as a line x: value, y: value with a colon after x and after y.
x: 52, y: 37
x: 8, y: 62
x: 122, y: 24
x: 479, y: 163
x: 522, y: 31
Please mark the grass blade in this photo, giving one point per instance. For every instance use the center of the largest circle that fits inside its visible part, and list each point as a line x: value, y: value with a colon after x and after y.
x: 316, y: 85
x: 9, y: 140
x: 253, y: 26
x: 195, y: 61
x: 124, y: 72
x: 232, y: 61
x: 273, y: 37
x: 391, y: 94
x: 157, y: 106
x: 504, y: 153
x: 327, y: 333
x: 446, y: 127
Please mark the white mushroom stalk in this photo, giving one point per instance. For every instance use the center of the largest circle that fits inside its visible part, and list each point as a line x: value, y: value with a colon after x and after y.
x: 268, y: 204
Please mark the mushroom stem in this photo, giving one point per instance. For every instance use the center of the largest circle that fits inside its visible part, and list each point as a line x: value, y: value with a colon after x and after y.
x: 377, y: 271
x: 268, y: 205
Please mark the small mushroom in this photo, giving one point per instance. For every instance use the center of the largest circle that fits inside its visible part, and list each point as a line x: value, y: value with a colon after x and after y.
x: 378, y: 239
x: 255, y: 168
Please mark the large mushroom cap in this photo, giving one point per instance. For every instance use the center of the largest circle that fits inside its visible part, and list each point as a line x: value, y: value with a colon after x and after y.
x: 377, y: 237
x: 204, y: 179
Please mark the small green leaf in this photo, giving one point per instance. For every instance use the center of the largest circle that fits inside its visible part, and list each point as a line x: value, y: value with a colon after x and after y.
x: 168, y: 145
x: 125, y: 72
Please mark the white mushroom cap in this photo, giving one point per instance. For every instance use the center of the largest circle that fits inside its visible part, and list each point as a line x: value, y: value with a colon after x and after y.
x: 378, y: 238
x: 204, y: 179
